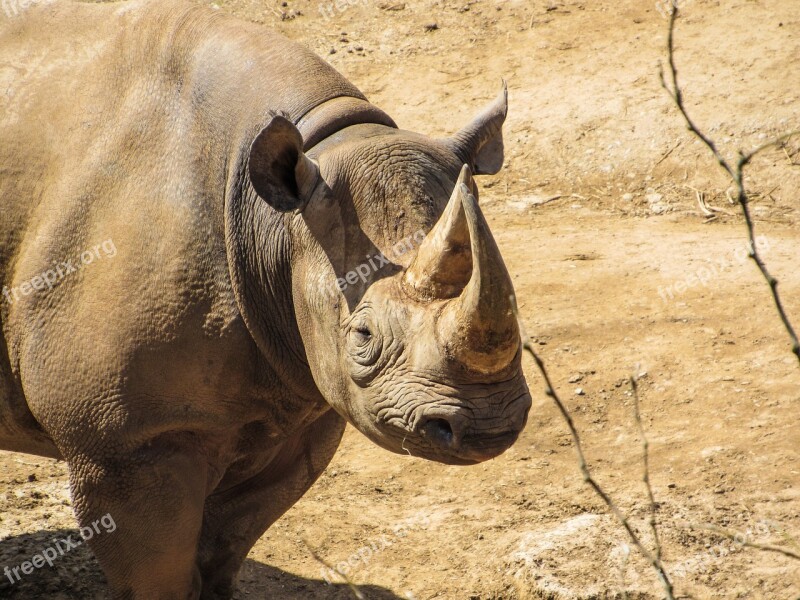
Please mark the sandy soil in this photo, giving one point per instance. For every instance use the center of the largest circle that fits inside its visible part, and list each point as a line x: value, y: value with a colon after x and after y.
x: 617, y: 270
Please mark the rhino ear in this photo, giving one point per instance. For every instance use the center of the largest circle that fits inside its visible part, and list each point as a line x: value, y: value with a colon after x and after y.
x: 480, y: 144
x: 281, y: 174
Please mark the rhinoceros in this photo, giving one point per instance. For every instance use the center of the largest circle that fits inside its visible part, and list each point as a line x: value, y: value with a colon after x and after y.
x: 285, y: 260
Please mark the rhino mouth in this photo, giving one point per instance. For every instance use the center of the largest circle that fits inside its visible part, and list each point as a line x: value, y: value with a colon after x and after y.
x: 472, y: 451
x: 489, y: 444
x: 476, y: 448
x: 459, y: 436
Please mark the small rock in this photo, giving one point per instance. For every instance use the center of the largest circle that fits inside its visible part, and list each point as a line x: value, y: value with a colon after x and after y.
x: 392, y: 7
x: 579, y: 392
x: 431, y: 27
x: 290, y: 14
x: 654, y: 197
x: 575, y: 378
x: 627, y: 197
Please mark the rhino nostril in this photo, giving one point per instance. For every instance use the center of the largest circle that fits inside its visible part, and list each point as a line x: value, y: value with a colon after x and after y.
x: 439, y: 431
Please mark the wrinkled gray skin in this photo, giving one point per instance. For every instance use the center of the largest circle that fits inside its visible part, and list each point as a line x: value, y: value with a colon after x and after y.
x: 198, y: 381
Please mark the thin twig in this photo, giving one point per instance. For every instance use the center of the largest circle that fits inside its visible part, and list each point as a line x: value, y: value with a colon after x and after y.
x: 551, y: 392
x: 705, y: 207
x: 736, y: 174
x: 788, y: 538
x: 356, y: 592
x: 739, y: 538
x: 646, y: 465
x: 788, y: 156
x: 667, y: 153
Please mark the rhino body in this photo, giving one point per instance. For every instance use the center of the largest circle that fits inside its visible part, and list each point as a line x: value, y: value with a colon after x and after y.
x: 185, y: 201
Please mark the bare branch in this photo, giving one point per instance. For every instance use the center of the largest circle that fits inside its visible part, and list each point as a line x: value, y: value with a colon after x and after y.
x: 776, y: 142
x: 654, y: 561
x: 646, y: 464
x: 741, y: 539
x: 736, y: 173
x: 677, y: 95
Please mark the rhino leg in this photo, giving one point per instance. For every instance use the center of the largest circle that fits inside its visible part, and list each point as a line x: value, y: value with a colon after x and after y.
x: 155, y: 498
x: 237, y: 517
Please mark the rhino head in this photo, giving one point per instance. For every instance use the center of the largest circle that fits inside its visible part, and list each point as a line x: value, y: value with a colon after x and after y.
x: 401, y: 296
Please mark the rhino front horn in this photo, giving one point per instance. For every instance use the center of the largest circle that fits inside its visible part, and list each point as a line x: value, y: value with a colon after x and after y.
x: 477, y: 327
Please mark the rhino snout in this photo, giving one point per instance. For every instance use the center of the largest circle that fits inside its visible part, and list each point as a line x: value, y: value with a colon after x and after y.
x: 464, y: 437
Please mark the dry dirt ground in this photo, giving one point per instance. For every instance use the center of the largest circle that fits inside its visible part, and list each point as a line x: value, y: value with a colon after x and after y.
x: 597, y: 216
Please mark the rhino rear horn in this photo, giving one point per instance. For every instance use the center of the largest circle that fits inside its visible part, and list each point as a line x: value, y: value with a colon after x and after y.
x: 480, y: 144
x: 443, y: 265
x: 280, y: 172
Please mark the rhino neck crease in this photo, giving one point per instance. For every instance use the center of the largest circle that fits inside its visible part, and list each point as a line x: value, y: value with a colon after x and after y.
x: 259, y: 252
x: 259, y: 246
x: 337, y: 114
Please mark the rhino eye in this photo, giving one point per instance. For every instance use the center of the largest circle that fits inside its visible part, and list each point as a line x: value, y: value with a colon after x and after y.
x: 362, y: 334
x: 364, y: 346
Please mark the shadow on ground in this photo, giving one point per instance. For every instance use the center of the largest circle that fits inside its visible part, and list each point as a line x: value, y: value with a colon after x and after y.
x: 257, y: 580
x: 76, y: 575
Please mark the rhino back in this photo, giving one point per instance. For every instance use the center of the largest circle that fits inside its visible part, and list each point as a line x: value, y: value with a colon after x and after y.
x: 120, y: 125
x: 111, y: 96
